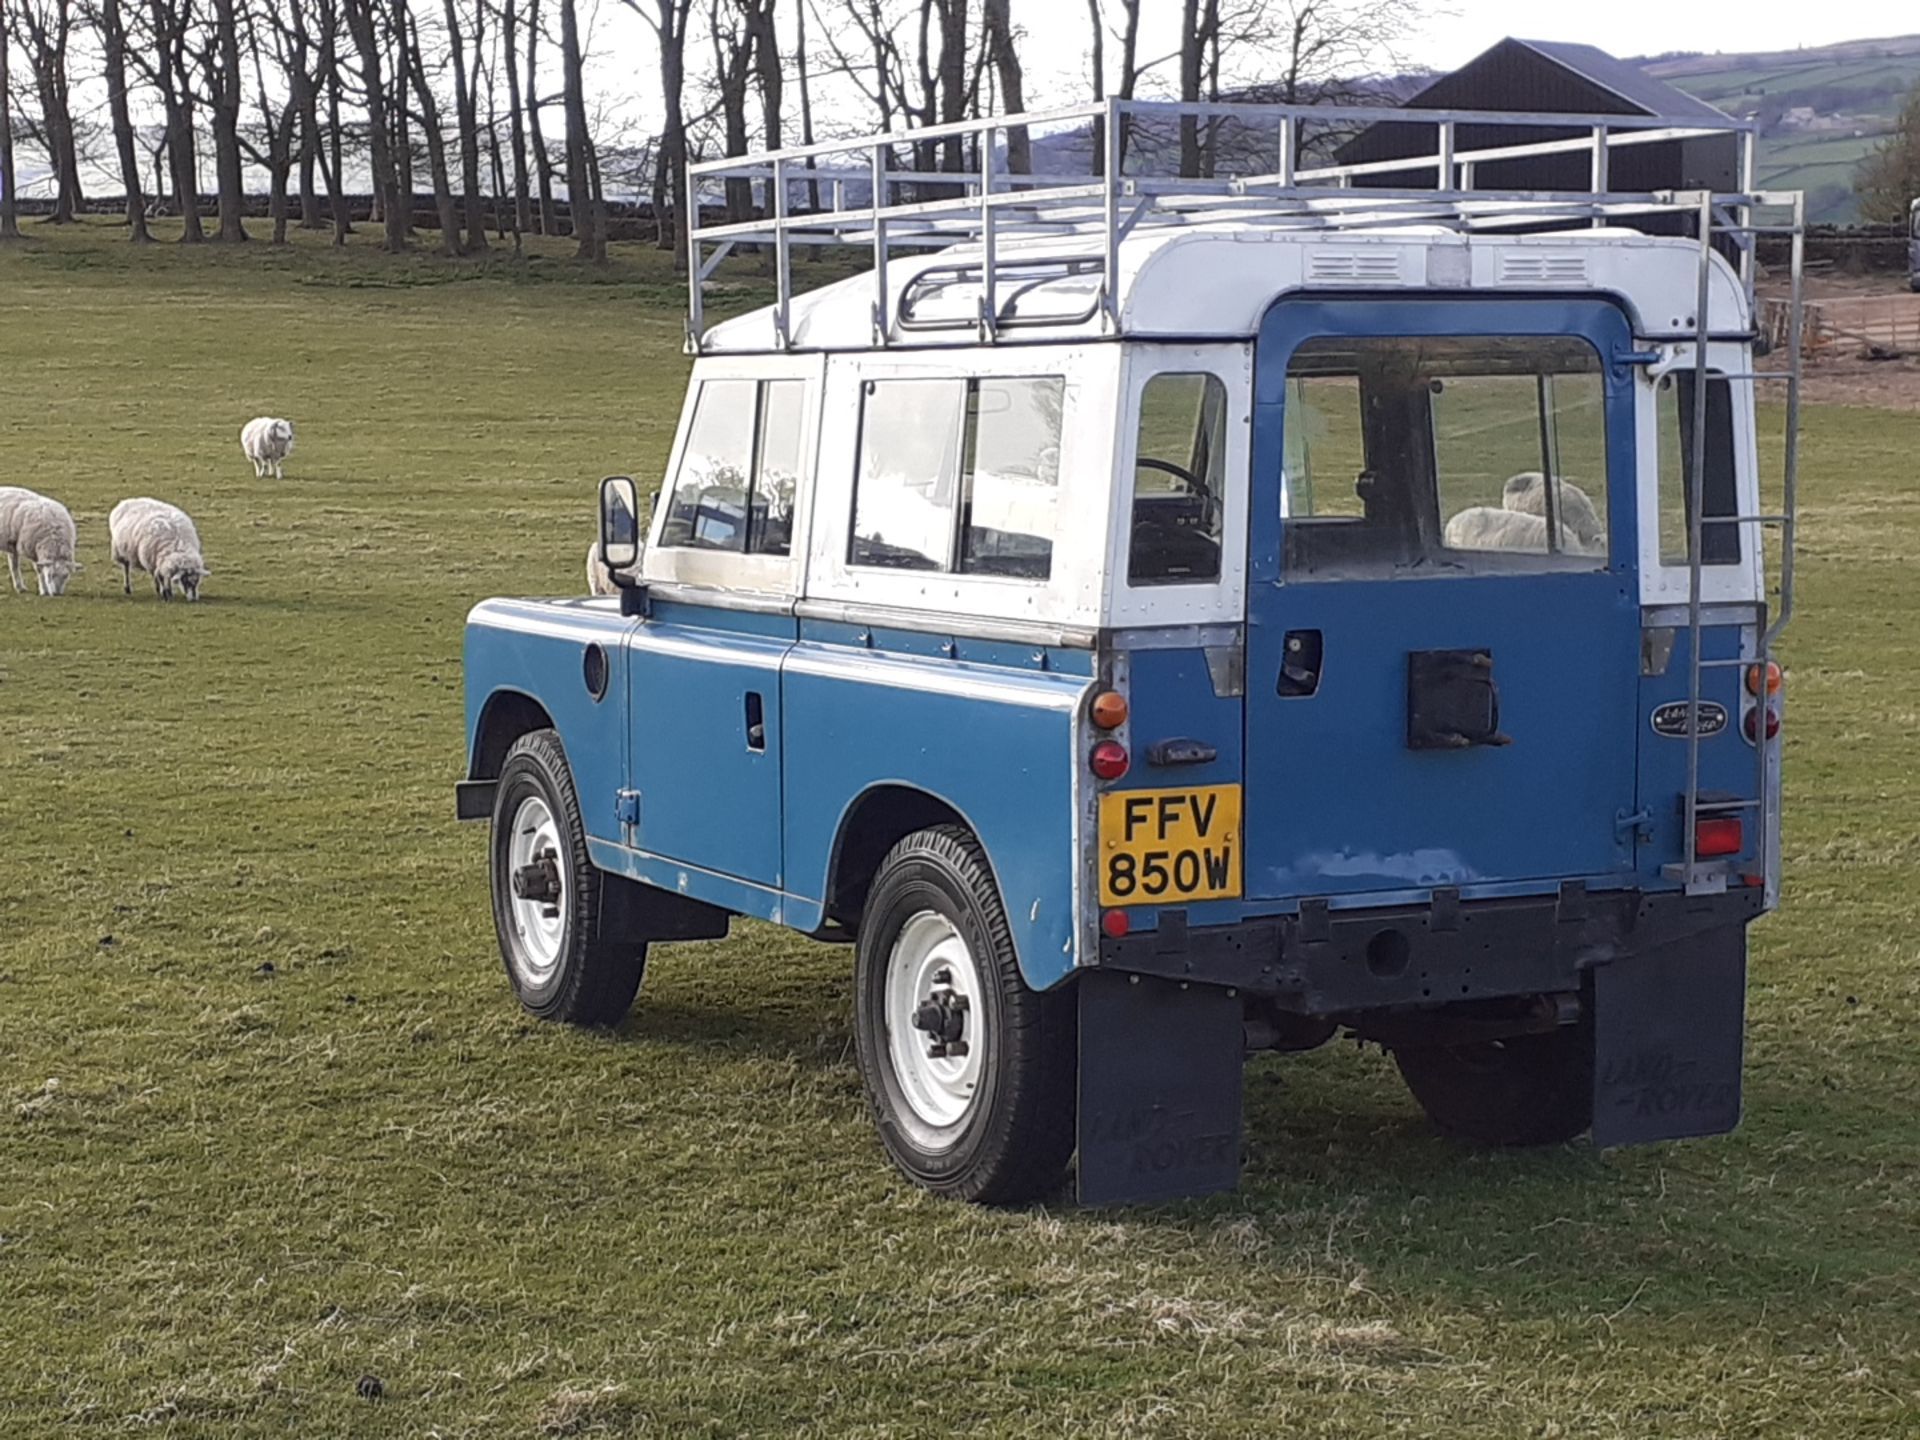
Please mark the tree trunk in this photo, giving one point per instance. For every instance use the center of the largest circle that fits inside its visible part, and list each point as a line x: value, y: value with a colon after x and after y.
x: 1006, y: 68
x: 542, y: 161
x: 113, y: 41
x: 806, y: 116
x: 169, y: 72
x: 46, y: 33
x: 1192, y: 50
x: 469, y: 133
x: 402, y: 137
x: 223, y: 84
x: 330, y: 68
x: 1097, y: 61
x: 953, y: 77
x: 360, y: 16
x: 516, y: 129
x: 436, y: 149
x: 579, y: 143
x: 9, y: 210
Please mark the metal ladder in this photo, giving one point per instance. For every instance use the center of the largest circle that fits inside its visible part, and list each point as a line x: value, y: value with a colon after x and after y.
x: 1714, y: 220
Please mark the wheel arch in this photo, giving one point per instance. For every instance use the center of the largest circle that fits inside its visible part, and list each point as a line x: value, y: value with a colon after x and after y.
x: 504, y: 718
x: 876, y: 820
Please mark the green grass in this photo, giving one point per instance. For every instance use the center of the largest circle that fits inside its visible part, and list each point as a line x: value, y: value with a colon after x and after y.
x: 269, y: 1121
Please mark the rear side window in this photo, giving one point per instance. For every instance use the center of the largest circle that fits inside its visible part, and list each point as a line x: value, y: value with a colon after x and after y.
x: 1719, y: 544
x: 1178, y: 465
x: 1413, y: 457
x: 959, y: 476
x: 739, y: 470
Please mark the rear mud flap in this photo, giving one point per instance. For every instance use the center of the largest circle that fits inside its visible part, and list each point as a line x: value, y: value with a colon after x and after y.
x: 1160, y: 1087
x: 1668, y: 1031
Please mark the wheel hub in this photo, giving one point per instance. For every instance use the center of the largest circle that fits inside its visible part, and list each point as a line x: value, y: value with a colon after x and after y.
x: 537, y: 882
x: 936, y: 1045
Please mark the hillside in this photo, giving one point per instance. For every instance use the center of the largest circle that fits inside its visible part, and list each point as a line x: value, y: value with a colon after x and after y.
x: 1820, y: 109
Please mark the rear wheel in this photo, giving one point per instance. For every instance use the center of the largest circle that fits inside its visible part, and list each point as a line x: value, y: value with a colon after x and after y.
x: 546, y: 895
x: 969, y: 1072
x: 1524, y: 1090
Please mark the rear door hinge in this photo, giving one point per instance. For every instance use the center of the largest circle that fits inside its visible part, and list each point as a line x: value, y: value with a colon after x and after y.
x: 626, y: 806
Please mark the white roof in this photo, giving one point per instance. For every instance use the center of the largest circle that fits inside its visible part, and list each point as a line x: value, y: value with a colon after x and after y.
x: 1216, y: 278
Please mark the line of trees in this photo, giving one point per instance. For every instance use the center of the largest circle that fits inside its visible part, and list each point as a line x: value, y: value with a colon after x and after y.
x: 491, y: 98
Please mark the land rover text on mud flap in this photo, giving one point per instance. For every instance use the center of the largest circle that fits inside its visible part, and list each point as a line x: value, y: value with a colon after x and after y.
x: 1155, y: 619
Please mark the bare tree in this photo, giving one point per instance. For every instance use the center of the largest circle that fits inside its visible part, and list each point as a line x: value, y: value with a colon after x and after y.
x: 164, y: 59
x: 1888, y: 179
x: 1006, y: 68
x: 45, y: 32
x: 516, y: 128
x: 361, y: 17
x: 464, y: 102
x: 327, y: 22
x: 280, y: 123
x: 429, y: 118
x: 9, y: 205
x: 111, y: 22
x: 542, y: 161
x: 669, y: 19
x: 581, y: 162
x: 220, y: 62
x: 732, y: 73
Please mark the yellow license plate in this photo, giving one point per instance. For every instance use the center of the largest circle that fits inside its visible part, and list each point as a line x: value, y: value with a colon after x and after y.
x: 1162, y: 847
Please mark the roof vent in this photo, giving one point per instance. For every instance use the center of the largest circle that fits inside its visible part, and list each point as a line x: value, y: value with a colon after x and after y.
x: 1370, y: 266
x: 1538, y: 267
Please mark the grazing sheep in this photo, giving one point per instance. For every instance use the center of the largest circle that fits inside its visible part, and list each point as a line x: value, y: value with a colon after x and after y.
x: 39, y: 531
x: 159, y: 538
x: 267, y: 442
x: 1526, y: 494
x: 599, y: 577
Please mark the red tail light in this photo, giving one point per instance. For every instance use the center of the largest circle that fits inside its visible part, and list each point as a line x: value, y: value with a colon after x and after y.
x: 1109, y: 760
x: 1717, y: 836
x: 1115, y: 924
x: 1752, y: 722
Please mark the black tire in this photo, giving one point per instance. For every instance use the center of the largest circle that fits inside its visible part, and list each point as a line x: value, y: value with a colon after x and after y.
x: 586, y: 980
x: 1015, y: 1137
x: 1526, y: 1090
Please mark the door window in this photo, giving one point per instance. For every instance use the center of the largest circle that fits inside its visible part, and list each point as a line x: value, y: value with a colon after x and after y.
x: 1719, y: 544
x: 1450, y: 456
x: 1178, y: 467
x: 740, y: 469
x: 959, y: 475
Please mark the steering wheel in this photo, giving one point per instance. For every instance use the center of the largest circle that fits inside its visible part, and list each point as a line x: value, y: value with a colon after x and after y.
x: 1179, y: 472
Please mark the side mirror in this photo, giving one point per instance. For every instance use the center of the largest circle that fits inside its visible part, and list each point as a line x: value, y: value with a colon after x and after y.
x: 619, y: 525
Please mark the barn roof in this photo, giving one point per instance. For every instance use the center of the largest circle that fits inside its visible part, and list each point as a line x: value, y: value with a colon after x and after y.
x: 1631, y: 89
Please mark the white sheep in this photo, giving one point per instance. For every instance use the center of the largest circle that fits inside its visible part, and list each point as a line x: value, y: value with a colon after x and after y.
x: 599, y: 577
x: 40, y: 531
x: 1526, y: 494
x: 267, y: 442
x: 159, y: 538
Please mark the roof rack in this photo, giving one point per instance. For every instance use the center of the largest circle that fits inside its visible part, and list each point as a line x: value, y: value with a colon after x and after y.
x: 855, y: 193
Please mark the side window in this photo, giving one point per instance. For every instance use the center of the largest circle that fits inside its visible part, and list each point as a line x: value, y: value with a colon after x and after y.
x: 776, y: 469
x: 740, y: 468
x: 1719, y: 544
x: 1178, y: 469
x: 708, y: 508
x: 959, y: 475
x: 1325, y: 447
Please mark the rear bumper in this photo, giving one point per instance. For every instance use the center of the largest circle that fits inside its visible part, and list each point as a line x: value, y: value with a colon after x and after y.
x: 1335, y: 962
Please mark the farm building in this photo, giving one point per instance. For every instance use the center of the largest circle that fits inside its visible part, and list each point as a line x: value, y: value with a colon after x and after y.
x: 1548, y: 77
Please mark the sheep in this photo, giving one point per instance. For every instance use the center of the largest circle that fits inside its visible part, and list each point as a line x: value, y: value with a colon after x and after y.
x: 599, y: 577
x: 1481, y: 527
x: 39, y: 531
x: 1526, y: 494
x: 159, y: 538
x: 267, y: 442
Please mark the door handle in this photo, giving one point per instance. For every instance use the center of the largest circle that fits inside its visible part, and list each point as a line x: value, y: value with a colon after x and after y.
x: 756, y: 721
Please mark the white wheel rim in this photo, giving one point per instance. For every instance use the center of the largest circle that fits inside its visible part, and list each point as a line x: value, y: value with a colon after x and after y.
x: 540, y: 926
x: 930, y: 962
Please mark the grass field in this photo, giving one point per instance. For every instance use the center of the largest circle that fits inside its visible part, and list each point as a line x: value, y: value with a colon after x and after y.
x: 270, y: 1123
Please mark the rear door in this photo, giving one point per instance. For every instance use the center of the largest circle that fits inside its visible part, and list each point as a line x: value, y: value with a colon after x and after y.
x: 1412, y: 572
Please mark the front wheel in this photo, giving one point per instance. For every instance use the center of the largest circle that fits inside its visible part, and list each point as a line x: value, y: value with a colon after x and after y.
x: 546, y: 895
x: 1524, y: 1090
x: 969, y: 1072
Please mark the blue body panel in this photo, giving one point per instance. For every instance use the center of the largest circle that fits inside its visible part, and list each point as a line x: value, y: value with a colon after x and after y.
x: 1728, y: 764
x: 995, y: 743
x: 1337, y: 804
x: 536, y: 648
x: 706, y: 798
